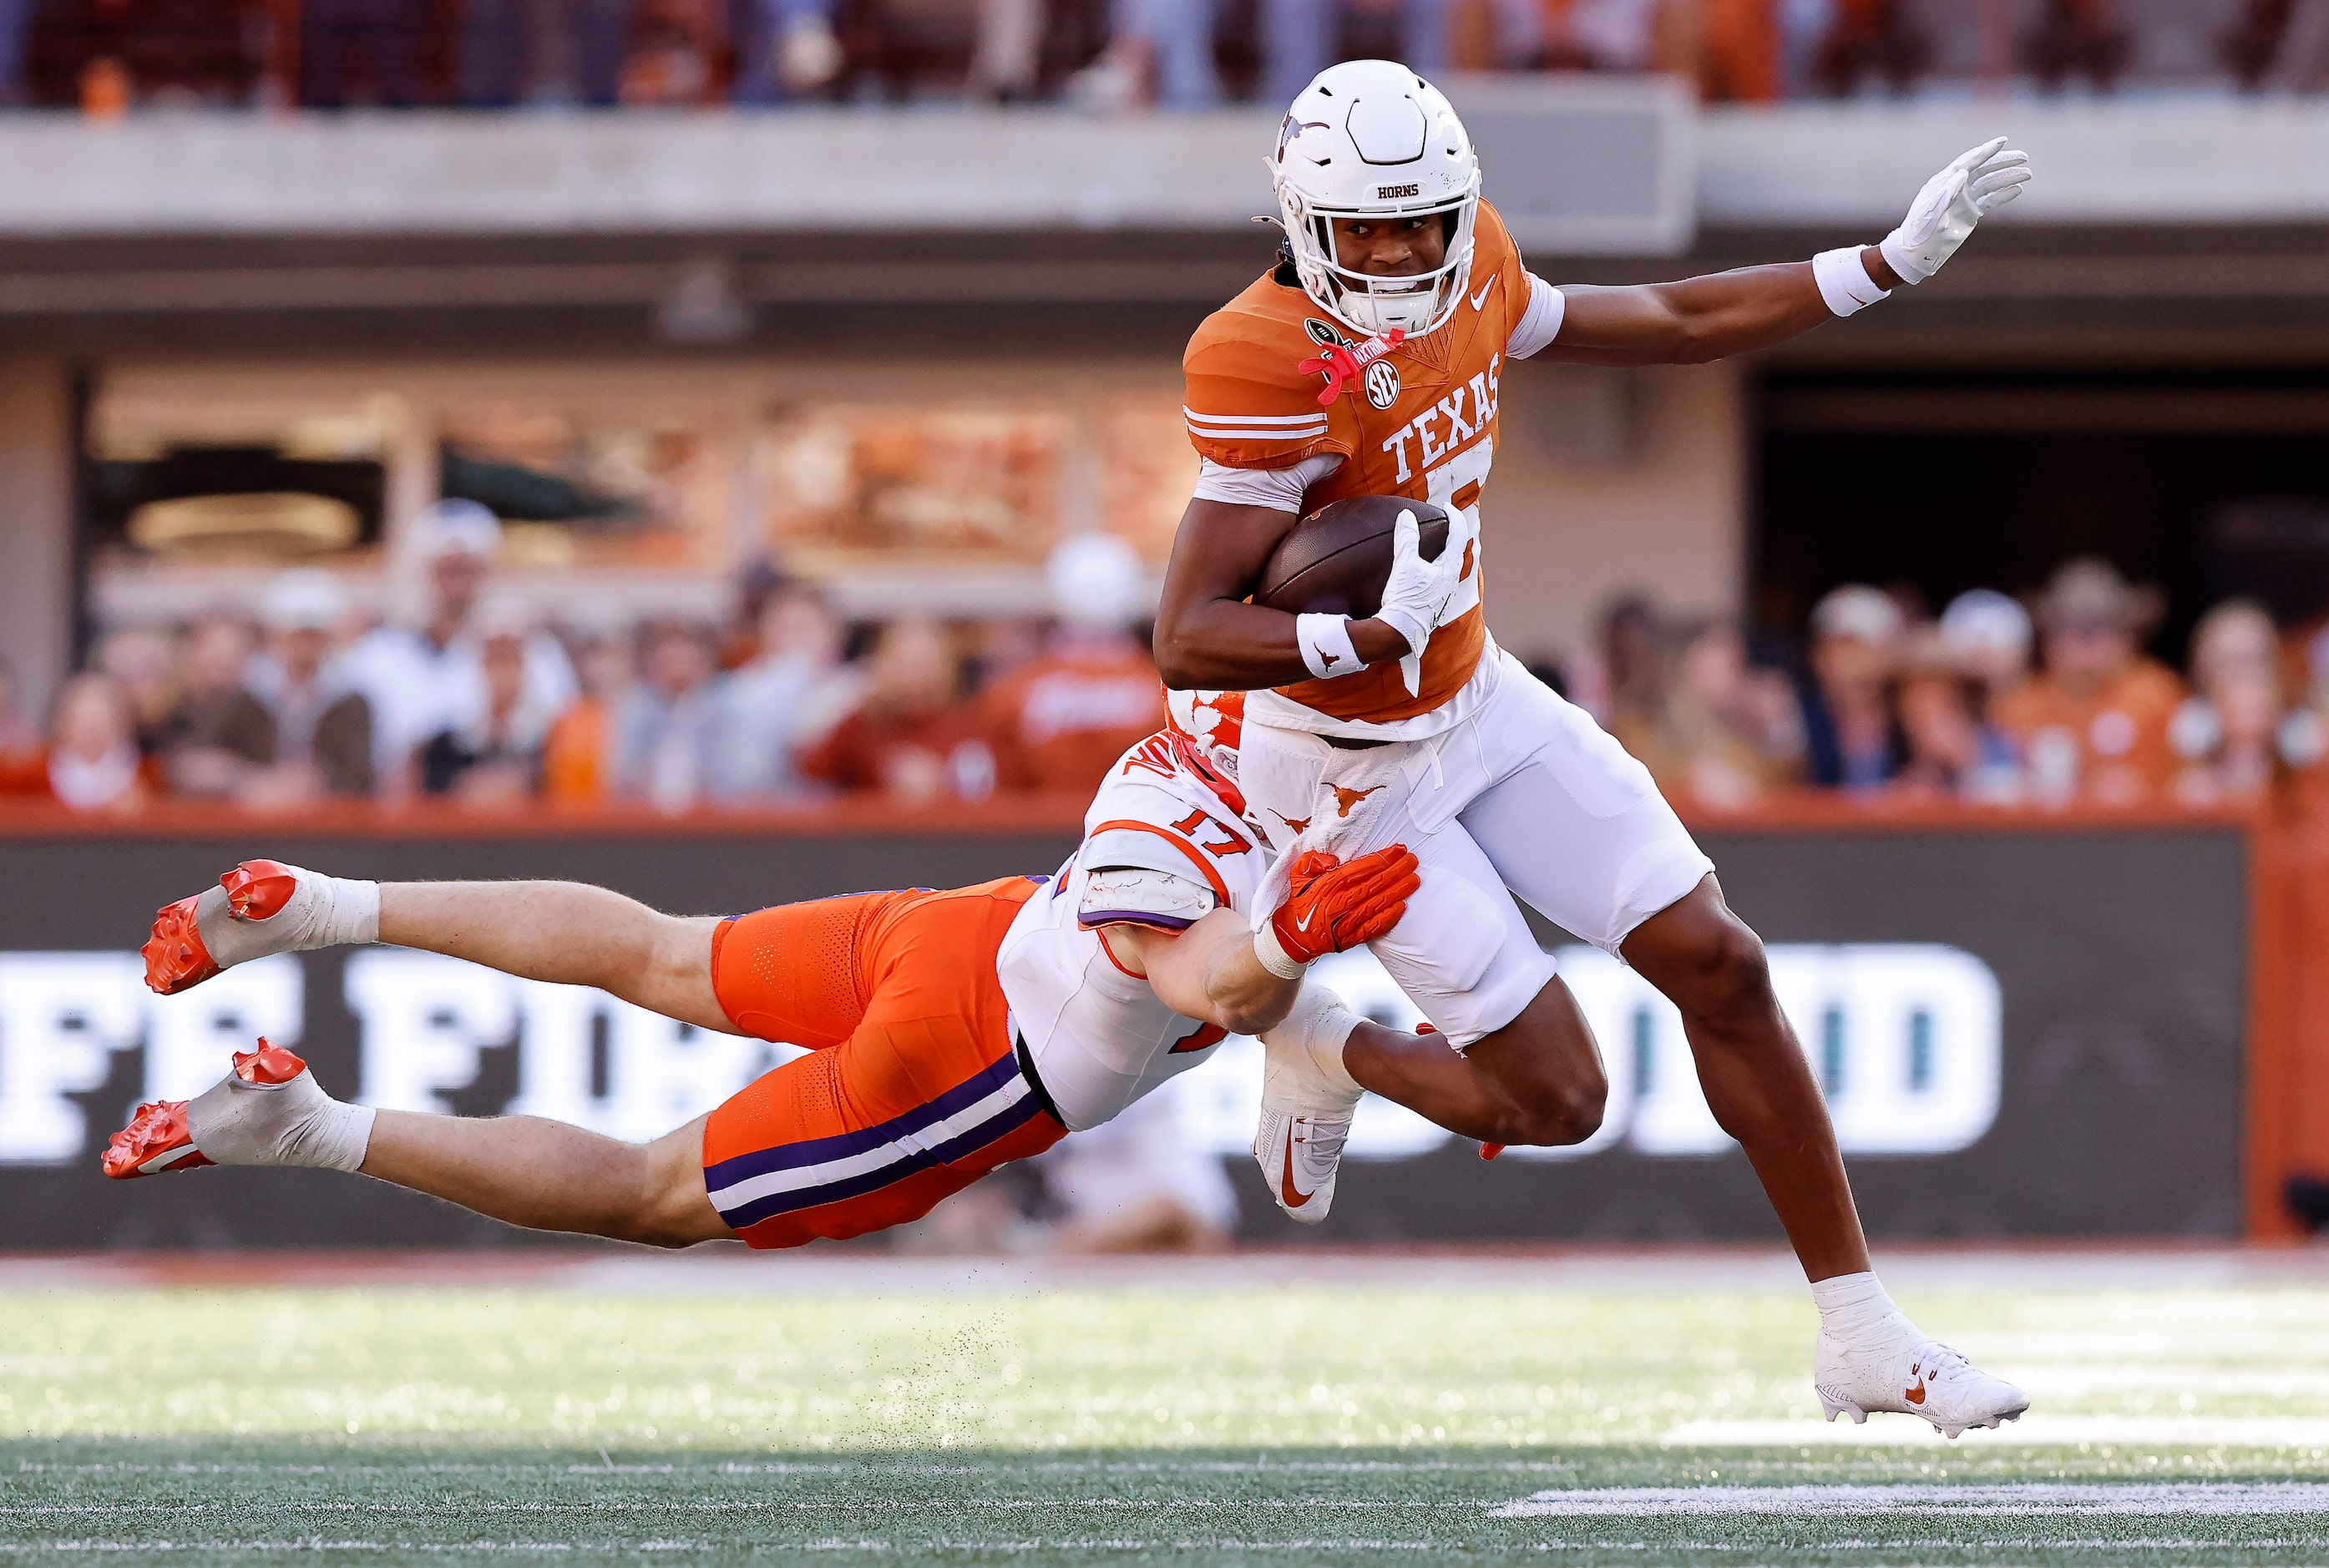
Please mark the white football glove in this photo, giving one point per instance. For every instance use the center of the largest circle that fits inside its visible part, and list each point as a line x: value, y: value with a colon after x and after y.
x: 1417, y: 594
x: 1950, y: 204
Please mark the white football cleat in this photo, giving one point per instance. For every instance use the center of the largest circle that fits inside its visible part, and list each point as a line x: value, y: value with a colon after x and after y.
x: 1913, y: 1377
x: 1299, y: 1156
x: 1306, y: 1108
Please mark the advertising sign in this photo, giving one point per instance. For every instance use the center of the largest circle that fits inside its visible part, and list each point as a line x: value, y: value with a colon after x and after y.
x: 2019, y: 1033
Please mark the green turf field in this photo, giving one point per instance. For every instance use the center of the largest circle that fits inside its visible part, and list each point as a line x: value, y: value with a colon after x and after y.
x: 1219, y: 1425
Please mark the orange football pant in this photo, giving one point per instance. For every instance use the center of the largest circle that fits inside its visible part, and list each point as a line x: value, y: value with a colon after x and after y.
x: 910, y: 1092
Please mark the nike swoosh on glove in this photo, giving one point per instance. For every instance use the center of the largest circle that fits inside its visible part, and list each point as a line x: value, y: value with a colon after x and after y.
x: 1974, y: 186
x: 1333, y: 904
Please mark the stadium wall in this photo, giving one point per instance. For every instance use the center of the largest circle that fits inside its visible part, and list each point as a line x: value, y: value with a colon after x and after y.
x: 2028, y: 1027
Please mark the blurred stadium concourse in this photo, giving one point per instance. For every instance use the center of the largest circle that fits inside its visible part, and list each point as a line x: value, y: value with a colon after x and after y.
x: 636, y: 442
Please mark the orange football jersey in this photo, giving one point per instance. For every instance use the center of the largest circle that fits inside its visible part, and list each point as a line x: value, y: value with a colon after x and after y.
x: 1421, y: 421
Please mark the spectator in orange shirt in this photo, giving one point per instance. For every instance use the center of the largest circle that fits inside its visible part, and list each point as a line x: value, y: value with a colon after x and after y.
x: 577, y: 755
x: 1058, y: 721
x: 2094, y: 725
x: 912, y: 738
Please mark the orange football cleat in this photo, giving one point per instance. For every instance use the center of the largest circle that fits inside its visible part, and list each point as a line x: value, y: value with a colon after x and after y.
x: 258, y: 889
x: 158, y: 1139
x: 176, y: 959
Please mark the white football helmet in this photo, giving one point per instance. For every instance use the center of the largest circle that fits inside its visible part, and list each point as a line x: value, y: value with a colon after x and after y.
x: 1369, y: 138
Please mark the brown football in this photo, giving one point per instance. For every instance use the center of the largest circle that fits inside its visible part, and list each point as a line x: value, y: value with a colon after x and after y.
x: 1337, y: 560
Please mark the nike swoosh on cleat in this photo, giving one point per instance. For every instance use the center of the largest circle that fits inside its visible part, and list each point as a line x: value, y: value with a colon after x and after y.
x: 1915, y: 1395
x: 1293, y: 1197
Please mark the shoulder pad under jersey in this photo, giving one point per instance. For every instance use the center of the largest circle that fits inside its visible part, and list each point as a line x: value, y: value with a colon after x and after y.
x: 1114, y: 846
x: 1163, y: 900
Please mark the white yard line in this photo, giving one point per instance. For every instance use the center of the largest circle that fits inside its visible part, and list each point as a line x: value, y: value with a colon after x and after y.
x: 2175, y: 1500
x: 2051, y: 1430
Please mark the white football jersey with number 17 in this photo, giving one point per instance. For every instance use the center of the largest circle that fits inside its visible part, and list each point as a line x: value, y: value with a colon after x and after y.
x: 1164, y: 845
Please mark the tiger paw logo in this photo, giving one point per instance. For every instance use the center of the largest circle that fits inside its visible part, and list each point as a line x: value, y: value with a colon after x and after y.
x: 1346, y: 800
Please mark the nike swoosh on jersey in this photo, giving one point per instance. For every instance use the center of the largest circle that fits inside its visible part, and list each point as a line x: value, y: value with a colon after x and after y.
x: 1482, y: 298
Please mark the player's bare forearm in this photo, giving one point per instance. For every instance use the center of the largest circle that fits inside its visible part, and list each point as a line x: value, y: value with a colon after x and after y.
x: 1697, y: 319
x: 1209, y: 971
x: 566, y: 933
x: 1207, y: 635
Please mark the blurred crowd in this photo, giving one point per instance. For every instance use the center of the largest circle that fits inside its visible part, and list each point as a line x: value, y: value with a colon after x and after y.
x: 107, y: 56
x: 2052, y: 702
x: 478, y: 700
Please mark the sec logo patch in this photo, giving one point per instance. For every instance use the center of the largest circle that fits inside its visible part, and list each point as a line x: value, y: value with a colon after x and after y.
x: 1383, y: 383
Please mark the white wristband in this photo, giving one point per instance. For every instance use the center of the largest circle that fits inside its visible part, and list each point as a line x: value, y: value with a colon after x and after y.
x: 1325, y: 644
x: 1273, y: 956
x: 1844, y: 281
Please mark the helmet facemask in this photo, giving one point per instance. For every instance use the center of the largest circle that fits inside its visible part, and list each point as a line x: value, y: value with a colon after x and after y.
x: 1371, y: 303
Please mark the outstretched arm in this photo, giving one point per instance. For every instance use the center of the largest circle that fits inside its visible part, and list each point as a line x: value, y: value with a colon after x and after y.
x: 1698, y: 319
x: 1727, y: 313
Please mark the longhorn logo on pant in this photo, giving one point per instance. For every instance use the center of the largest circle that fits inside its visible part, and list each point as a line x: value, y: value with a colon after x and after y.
x: 1347, y: 800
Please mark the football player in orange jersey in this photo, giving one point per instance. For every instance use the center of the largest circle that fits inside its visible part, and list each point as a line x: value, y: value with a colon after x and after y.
x: 1367, y: 364
x: 947, y: 1032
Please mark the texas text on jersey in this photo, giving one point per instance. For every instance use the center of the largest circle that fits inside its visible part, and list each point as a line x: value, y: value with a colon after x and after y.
x: 1164, y: 845
x: 1418, y: 420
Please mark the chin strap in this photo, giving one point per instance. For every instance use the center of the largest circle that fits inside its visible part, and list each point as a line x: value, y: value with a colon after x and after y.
x: 1342, y: 365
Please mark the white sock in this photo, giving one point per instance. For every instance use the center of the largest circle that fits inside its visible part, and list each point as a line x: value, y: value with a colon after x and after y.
x: 324, y: 912
x: 1321, y: 1024
x: 1855, y: 1308
x: 294, y: 1123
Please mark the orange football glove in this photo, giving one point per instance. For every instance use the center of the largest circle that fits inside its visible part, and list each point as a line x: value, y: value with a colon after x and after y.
x: 1333, y: 905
